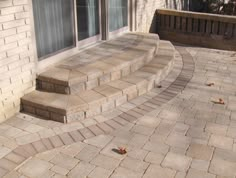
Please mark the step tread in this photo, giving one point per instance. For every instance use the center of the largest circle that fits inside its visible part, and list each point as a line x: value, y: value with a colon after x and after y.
x: 96, y: 62
x: 103, y: 95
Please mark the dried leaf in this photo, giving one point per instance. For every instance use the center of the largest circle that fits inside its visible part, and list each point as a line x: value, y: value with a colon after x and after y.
x: 210, y: 84
x: 220, y: 101
x: 122, y: 150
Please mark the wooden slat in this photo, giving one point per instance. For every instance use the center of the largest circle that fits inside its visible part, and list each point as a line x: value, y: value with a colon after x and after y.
x: 167, y: 21
x: 184, y: 24
x: 195, y: 25
x: 229, y: 30
x: 163, y: 21
x: 215, y: 27
x: 222, y: 28
x: 234, y: 34
x: 159, y: 20
x: 202, y: 26
x: 178, y: 23
x: 208, y: 27
x: 172, y: 22
x: 190, y: 25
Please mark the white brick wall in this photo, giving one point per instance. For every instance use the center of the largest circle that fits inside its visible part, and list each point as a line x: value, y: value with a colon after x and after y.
x: 145, y: 11
x: 17, y: 63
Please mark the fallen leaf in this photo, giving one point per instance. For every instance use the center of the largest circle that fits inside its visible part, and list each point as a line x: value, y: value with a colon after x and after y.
x: 210, y: 84
x: 220, y: 101
x: 122, y: 150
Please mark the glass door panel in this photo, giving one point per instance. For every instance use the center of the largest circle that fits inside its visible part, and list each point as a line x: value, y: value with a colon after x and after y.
x: 54, y: 26
x: 88, y: 19
x: 117, y: 14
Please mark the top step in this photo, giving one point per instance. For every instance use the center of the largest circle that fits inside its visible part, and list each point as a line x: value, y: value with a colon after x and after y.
x: 101, y: 64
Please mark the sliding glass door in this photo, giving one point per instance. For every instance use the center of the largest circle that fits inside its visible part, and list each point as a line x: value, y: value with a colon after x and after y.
x: 117, y: 15
x: 88, y: 21
x: 55, y: 21
x: 54, y: 26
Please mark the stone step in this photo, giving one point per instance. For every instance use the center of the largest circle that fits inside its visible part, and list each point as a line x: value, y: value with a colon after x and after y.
x: 98, y: 65
x: 80, y: 105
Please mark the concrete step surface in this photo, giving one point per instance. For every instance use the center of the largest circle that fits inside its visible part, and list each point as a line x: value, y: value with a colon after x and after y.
x: 101, y: 64
x: 87, y: 103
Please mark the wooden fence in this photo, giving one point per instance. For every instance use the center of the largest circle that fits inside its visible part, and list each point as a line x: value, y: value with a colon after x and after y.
x: 207, y: 30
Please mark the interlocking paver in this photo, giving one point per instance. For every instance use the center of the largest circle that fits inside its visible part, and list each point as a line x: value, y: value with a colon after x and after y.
x: 157, y: 171
x: 64, y: 161
x: 35, y: 168
x: 134, y: 164
x: 105, y: 162
x: 201, y: 165
x: 221, y: 142
x: 99, y: 141
x: 178, y: 141
x: 99, y: 172
x: 83, y: 169
x: 177, y: 162
x: 202, y: 152
x: 196, y: 174
x: 156, y: 147
x: 87, y: 153
x: 154, y: 158
x: 123, y: 172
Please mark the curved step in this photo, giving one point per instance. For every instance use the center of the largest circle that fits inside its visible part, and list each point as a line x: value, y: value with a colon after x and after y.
x: 93, y: 67
x: 67, y: 108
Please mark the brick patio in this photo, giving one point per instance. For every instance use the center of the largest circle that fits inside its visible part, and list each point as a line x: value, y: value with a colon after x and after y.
x: 175, y: 130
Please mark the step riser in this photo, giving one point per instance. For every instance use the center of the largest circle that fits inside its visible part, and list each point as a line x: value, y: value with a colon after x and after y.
x: 46, y: 113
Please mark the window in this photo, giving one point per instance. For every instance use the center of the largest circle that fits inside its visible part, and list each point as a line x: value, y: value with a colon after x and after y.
x: 54, y: 26
x: 118, y: 14
x: 88, y: 18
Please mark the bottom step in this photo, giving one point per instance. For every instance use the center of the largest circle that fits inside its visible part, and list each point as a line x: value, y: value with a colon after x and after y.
x: 68, y: 108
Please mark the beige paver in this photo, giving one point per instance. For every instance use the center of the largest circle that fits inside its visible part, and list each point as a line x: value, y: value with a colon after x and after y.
x: 83, y: 169
x: 202, y: 152
x: 64, y: 161
x: 100, y: 172
x: 105, y: 162
x: 196, y: 173
x: 154, y: 158
x: 221, y: 142
x: 177, y: 162
x: 157, y: 171
x: 35, y: 167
